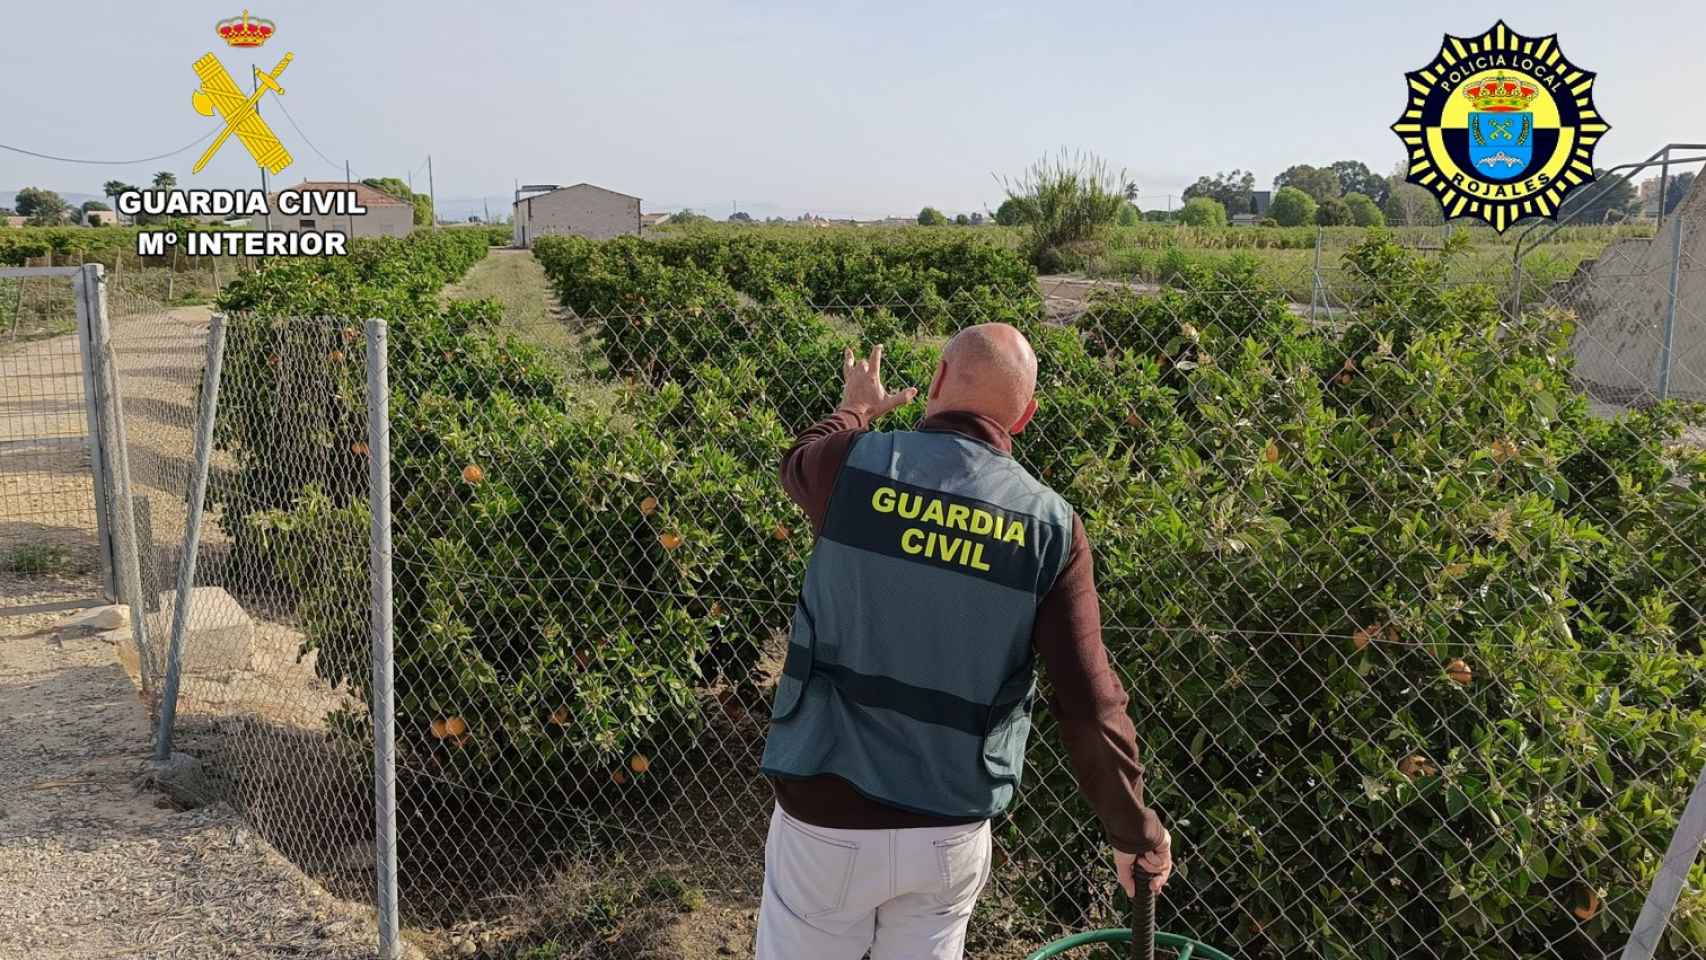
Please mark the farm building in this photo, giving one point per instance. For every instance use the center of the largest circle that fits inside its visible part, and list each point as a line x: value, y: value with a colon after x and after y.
x: 386, y: 215
x: 654, y: 219
x: 582, y: 210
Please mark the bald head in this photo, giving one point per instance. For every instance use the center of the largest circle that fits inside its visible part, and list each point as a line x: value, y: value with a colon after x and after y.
x: 988, y: 369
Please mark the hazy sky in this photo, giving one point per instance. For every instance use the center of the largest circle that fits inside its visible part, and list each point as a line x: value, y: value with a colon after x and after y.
x: 853, y: 108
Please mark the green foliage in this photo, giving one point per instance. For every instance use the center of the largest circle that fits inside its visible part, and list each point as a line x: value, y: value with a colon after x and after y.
x: 1355, y: 177
x: 1292, y: 207
x: 1015, y: 211
x: 1074, y: 197
x: 1319, y: 182
x: 43, y: 207
x: 1334, y: 212
x: 1202, y: 212
x: 936, y: 275
x: 1364, y: 211
x: 1609, y: 199
x: 1235, y: 190
x: 40, y: 560
x: 931, y: 217
x: 1258, y: 491
x: 1130, y: 216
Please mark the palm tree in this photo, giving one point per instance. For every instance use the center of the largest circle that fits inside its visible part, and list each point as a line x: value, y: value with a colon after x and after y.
x: 165, y: 180
x: 114, y: 189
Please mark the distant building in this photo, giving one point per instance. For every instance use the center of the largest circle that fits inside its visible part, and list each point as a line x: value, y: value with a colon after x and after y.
x: 1259, y: 201
x: 1244, y: 220
x: 654, y: 219
x: 101, y: 218
x: 582, y: 210
x: 386, y: 215
x: 14, y: 221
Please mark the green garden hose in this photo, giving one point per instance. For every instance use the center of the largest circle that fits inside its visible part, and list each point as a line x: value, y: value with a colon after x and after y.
x: 1146, y: 940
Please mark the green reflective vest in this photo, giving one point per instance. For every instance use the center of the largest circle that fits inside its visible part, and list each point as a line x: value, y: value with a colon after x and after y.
x: 910, y: 671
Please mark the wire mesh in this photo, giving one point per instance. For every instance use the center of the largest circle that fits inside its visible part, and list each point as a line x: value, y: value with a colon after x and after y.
x: 48, y: 510
x: 1406, y: 589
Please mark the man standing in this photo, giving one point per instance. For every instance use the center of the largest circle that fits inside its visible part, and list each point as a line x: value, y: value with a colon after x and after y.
x: 941, y: 570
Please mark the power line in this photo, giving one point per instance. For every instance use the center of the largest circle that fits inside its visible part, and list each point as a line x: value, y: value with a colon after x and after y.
x: 115, y: 163
x: 280, y: 102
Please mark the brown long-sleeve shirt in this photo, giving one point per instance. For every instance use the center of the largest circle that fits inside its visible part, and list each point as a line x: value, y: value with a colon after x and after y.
x: 1088, y: 700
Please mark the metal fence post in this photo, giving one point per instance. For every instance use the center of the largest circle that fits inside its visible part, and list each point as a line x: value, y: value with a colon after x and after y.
x: 1684, y: 846
x: 192, y: 536
x: 91, y: 295
x: 88, y: 343
x: 384, y: 729
x: 1315, y: 277
x: 1667, y: 345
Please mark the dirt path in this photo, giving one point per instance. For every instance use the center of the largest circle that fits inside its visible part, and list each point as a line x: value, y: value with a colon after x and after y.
x: 94, y: 866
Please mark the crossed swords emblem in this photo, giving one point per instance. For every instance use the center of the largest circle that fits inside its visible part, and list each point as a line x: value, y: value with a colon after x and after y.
x: 218, y: 92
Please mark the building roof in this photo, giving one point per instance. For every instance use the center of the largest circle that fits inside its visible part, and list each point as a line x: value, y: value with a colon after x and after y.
x: 365, y: 195
x: 577, y: 186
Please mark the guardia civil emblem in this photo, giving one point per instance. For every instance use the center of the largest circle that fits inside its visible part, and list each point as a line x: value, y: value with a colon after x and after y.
x: 1500, y: 126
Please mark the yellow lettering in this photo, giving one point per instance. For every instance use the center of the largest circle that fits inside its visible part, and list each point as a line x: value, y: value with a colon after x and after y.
x: 957, y: 515
x: 981, y: 522
x: 976, y: 561
x: 1015, y: 533
x: 917, y: 503
x: 882, y: 501
x: 951, y: 549
x: 909, y: 539
x: 933, y: 513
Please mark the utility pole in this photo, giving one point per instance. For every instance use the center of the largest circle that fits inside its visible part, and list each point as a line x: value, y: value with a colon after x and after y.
x: 255, y: 86
x: 351, y: 212
x: 488, y: 209
x: 432, y: 196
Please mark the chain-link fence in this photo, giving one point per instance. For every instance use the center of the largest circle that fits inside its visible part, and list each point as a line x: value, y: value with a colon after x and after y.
x: 1409, y: 609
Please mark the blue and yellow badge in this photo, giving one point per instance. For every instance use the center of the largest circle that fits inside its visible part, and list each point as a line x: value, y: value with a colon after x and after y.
x: 1500, y: 126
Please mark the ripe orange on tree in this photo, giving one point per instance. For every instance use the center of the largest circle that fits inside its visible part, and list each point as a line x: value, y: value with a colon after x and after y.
x: 670, y: 540
x: 455, y: 726
x: 438, y: 729
x: 648, y: 506
x: 473, y: 474
x: 1588, y: 909
x: 639, y: 763
x: 618, y: 777
x: 1459, y: 671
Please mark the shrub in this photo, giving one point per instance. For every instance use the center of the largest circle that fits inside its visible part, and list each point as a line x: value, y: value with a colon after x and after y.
x: 1333, y: 212
x: 1202, y: 212
x: 1292, y: 207
x: 931, y: 217
x: 1364, y: 211
x: 1073, y: 199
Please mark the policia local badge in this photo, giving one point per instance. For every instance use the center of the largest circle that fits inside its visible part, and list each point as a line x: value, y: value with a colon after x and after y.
x: 1500, y: 126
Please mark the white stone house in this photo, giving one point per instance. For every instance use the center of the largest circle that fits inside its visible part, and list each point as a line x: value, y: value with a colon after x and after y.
x: 582, y: 210
x: 386, y: 216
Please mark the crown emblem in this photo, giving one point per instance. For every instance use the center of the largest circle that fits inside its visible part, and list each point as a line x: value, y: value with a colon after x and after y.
x: 245, y: 31
x: 1500, y: 92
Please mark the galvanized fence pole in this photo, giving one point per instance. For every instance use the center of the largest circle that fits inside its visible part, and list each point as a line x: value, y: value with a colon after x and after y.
x: 1667, y: 885
x: 192, y: 536
x: 1315, y: 277
x: 87, y: 344
x: 91, y: 296
x: 1667, y: 345
x: 384, y: 730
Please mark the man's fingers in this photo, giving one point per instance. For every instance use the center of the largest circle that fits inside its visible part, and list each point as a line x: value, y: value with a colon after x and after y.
x: 847, y: 359
x: 899, y: 399
x: 877, y: 362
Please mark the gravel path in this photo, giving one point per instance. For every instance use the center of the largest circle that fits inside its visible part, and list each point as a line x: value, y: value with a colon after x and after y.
x: 95, y: 866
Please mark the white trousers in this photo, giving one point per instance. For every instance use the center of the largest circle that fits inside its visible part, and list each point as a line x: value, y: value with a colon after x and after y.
x: 901, y: 894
